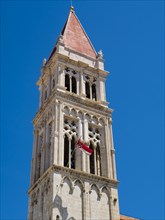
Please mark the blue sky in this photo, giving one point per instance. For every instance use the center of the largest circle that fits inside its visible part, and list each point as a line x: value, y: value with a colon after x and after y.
x: 131, y: 35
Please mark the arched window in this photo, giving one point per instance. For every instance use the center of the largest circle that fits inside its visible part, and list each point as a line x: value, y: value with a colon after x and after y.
x: 69, y: 152
x: 67, y: 82
x: 92, y: 160
x: 87, y: 89
x: 46, y: 94
x: 53, y: 83
x: 73, y: 152
x: 94, y: 92
x: 74, y: 85
x: 95, y: 160
x: 66, y: 151
x: 57, y: 217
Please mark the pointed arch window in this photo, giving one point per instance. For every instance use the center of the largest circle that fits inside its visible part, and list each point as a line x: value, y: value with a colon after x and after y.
x: 70, y: 80
x: 66, y: 151
x: 67, y: 82
x: 53, y: 83
x: 94, y: 92
x: 74, y: 85
x: 90, y: 88
x: 95, y: 160
x: 70, y: 136
x: 92, y: 160
x: 69, y: 152
x: 72, y: 159
x: 87, y: 89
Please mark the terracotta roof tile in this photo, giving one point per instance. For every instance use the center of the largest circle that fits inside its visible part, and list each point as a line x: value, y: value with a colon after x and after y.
x: 75, y: 37
x: 123, y: 217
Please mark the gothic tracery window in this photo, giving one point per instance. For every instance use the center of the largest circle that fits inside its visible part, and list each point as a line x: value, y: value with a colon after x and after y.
x: 90, y: 88
x: 70, y: 80
x: 70, y: 134
x: 95, y: 158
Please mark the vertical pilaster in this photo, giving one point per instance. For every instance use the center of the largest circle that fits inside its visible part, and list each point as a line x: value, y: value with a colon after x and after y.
x: 108, y: 147
x: 101, y: 89
x: 86, y: 202
x: 85, y: 157
x: 41, y: 95
x: 60, y: 132
x: 56, y: 134
x: 78, y: 152
x: 112, y: 154
x: 60, y: 72
x: 46, y: 147
x: 33, y: 163
x: 43, y: 148
x: 49, y: 84
x: 52, y: 139
x: 82, y: 84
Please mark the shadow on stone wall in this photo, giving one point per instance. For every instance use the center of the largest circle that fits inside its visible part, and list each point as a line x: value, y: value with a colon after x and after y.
x: 62, y: 210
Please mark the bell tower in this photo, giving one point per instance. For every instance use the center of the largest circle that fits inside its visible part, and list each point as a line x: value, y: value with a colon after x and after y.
x: 66, y: 183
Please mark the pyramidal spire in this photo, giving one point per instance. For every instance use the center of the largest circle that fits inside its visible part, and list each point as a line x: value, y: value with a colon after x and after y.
x: 75, y: 38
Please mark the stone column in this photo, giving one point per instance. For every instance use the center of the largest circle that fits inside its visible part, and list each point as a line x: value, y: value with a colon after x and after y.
x: 52, y: 139
x: 86, y: 202
x: 101, y: 89
x: 46, y: 146
x: 78, y: 152
x: 56, y: 134
x: 70, y: 83
x: 108, y: 147
x: 49, y: 84
x: 82, y: 84
x: 60, y: 72
x: 41, y: 95
x: 85, y: 157
x: 33, y: 162
x: 60, y: 132
x: 112, y: 153
x: 43, y: 148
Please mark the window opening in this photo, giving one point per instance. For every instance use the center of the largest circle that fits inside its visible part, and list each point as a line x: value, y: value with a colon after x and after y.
x: 94, y: 92
x: 74, y: 86
x: 92, y: 161
x: 57, y: 217
x: 46, y: 94
x: 67, y: 82
x: 73, y: 153
x: 53, y: 83
x: 87, y: 89
x: 66, y: 151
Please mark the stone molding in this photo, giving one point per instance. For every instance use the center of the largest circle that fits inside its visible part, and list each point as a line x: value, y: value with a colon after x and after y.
x: 73, y: 99
x: 64, y: 171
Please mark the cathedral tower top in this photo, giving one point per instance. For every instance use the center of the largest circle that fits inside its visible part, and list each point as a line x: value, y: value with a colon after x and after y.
x: 75, y: 43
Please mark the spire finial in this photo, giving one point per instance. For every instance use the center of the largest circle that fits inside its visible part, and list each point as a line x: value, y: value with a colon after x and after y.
x: 71, y: 8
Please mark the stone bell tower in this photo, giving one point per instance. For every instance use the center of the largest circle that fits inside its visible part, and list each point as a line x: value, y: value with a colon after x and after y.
x: 66, y: 183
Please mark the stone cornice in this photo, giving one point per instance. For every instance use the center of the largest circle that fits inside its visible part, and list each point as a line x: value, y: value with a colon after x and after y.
x: 74, y: 174
x: 66, y: 59
x: 74, y: 99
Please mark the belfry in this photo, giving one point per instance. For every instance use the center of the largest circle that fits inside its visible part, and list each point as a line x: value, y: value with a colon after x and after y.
x: 66, y: 182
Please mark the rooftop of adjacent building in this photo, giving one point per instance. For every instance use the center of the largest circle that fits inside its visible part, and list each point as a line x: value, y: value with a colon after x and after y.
x: 124, y: 217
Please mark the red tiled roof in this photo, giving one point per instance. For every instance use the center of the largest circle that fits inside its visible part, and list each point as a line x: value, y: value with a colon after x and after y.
x: 75, y: 37
x: 123, y: 217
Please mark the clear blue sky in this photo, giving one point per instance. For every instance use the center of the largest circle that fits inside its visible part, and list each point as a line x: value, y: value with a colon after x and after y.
x: 131, y: 35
